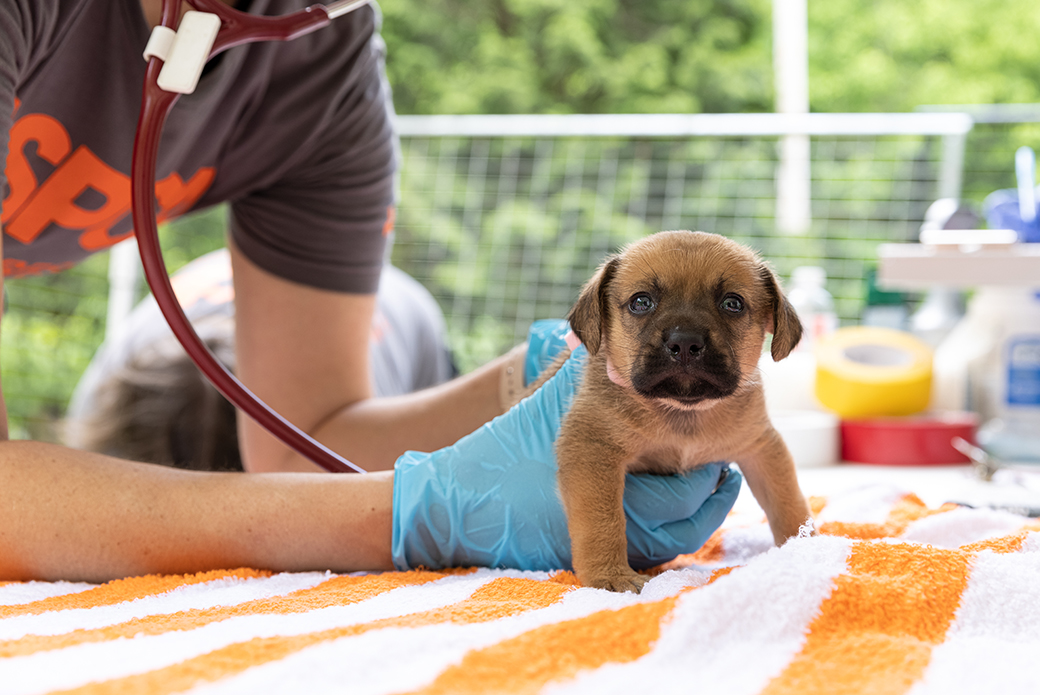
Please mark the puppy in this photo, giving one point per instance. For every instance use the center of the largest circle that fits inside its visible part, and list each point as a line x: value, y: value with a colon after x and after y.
x: 674, y: 326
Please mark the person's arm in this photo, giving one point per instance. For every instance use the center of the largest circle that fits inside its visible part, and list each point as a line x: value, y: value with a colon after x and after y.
x: 67, y: 514
x: 305, y: 352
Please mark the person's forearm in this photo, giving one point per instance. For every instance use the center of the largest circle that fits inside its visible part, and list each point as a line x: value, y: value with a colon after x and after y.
x: 66, y: 514
x: 374, y: 432
x: 377, y: 431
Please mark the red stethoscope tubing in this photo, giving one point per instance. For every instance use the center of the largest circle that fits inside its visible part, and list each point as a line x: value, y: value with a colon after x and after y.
x: 236, y: 28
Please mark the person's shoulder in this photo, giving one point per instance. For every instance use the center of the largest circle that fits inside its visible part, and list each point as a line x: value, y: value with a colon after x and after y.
x: 32, y: 29
x: 43, y: 22
x: 338, y: 43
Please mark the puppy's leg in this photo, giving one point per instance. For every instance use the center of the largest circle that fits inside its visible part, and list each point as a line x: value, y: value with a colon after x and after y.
x: 592, y: 486
x: 770, y: 473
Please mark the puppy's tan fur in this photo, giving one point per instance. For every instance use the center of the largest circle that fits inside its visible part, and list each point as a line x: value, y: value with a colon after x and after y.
x: 672, y: 383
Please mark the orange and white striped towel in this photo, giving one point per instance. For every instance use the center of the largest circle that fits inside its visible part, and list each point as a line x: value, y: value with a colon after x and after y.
x: 891, y: 597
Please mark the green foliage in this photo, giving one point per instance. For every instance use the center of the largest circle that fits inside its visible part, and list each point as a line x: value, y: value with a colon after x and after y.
x: 892, y: 55
x: 667, y: 56
x: 596, y: 56
x: 52, y: 327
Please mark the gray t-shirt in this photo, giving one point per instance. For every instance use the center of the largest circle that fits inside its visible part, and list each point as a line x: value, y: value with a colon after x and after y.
x: 296, y: 135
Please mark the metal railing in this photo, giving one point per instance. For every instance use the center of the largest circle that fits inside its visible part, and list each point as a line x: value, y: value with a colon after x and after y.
x: 503, y: 217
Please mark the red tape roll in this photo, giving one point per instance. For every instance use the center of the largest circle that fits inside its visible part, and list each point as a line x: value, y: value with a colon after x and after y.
x: 923, y: 440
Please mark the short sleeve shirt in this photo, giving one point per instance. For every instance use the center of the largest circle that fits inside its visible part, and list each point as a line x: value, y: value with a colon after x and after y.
x: 295, y: 135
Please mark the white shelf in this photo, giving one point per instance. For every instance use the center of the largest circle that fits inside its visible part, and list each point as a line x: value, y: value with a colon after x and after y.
x: 684, y: 125
x: 921, y: 266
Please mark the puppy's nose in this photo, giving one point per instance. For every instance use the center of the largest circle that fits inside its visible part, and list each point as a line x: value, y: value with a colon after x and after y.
x: 684, y: 346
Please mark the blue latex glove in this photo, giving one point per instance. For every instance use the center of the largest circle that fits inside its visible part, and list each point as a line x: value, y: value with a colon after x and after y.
x: 545, y: 340
x: 491, y: 498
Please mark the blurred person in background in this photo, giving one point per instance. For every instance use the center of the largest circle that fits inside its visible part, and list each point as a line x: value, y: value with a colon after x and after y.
x: 142, y: 398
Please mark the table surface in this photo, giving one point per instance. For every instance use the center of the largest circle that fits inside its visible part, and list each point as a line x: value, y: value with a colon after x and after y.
x: 1017, y: 487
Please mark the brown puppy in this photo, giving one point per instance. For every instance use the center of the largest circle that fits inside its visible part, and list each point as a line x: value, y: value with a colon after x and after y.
x: 674, y: 327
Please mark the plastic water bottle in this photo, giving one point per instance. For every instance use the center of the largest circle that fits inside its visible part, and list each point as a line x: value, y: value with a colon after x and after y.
x: 790, y: 384
x: 813, y: 304
x: 1010, y: 377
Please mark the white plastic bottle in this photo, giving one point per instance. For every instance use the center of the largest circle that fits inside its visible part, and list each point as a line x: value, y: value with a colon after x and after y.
x: 814, y: 305
x: 1009, y: 379
x: 790, y: 384
x: 957, y: 376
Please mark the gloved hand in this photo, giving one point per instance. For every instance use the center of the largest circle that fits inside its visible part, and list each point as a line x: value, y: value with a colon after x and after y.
x: 491, y: 498
x: 546, y: 338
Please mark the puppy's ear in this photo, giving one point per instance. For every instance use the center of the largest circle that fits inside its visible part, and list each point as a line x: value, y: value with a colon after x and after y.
x: 588, y: 313
x: 784, y: 323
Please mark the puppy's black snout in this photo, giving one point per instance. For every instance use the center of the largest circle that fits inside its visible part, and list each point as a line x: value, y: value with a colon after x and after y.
x: 684, y: 346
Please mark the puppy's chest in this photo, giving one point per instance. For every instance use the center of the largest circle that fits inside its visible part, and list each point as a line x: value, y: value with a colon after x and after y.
x: 676, y: 454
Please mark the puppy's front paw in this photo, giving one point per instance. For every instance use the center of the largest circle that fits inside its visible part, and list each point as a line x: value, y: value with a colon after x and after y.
x: 620, y: 580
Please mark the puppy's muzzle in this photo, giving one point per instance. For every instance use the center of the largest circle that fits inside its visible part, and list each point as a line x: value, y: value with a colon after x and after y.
x: 684, y: 367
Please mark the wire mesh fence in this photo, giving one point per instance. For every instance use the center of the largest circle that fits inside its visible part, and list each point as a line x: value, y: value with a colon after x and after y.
x: 504, y: 228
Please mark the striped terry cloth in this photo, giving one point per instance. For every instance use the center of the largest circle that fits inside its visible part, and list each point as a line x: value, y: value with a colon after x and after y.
x: 889, y: 597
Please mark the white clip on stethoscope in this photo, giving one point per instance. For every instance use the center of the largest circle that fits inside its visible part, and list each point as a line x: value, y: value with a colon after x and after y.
x: 175, y: 61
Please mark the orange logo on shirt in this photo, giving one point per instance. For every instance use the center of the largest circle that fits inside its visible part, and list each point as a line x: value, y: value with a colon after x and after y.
x: 31, y: 206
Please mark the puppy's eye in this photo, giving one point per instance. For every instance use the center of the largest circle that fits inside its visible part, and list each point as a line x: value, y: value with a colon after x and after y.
x: 732, y: 303
x: 642, y: 303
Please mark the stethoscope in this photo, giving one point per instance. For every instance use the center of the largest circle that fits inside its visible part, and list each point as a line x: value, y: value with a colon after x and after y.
x: 175, y: 61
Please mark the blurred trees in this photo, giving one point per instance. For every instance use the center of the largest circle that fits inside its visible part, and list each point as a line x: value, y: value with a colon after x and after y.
x: 581, y: 56
x: 690, y: 56
x: 892, y: 55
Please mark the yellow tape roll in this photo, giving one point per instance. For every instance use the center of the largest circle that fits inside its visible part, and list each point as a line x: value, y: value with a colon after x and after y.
x: 873, y: 372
